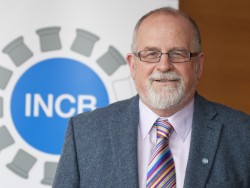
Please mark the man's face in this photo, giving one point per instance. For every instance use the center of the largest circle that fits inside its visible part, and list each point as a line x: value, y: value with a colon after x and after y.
x: 165, y: 85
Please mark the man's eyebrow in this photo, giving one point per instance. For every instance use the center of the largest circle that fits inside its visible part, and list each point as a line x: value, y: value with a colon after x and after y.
x: 157, y: 49
x: 177, y: 48
x: 151, y: 48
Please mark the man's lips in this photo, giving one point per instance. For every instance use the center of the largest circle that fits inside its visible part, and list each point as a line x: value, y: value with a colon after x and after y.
x: 165, y: 80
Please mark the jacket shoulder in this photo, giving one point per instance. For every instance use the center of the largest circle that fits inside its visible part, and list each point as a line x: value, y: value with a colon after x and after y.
x: 223, y: 112
x: 110, y: 111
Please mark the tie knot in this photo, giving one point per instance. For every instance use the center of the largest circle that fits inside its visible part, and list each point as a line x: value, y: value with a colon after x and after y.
x: 164, y: 128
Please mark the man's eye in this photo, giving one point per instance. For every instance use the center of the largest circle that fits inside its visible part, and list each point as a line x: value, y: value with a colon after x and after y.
x: 153, y: 54
x: 178, y: 54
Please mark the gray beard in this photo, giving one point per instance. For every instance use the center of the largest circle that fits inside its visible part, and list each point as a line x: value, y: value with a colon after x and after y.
x: 168, y: 96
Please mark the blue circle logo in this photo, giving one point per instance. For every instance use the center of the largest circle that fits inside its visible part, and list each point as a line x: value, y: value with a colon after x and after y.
x: 48, y: 94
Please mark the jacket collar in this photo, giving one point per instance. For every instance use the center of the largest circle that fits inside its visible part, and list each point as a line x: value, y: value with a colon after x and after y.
x: 204, y: 142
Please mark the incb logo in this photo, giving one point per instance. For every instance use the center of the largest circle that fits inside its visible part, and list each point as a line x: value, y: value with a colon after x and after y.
x: 48, y: 94
x: 38, y: 95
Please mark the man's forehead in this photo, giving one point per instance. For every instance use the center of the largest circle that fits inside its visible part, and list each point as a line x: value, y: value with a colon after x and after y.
x: 159, y: 18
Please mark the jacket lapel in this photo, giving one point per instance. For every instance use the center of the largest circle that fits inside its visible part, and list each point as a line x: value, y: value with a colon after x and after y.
x: 123, y: 134
x: 204, y: 142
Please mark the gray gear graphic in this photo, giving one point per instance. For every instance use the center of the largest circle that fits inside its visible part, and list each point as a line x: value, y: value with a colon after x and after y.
x: 19, y: 53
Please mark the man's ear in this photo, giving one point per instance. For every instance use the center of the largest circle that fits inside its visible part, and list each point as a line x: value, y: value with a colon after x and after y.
x: 199, y: 65
x: 131, y: 61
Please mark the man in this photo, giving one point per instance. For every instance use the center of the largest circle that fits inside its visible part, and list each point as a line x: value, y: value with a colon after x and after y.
x: 117, y: 146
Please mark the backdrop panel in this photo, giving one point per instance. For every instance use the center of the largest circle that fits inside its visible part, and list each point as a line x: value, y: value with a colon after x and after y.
x: 58, y: 58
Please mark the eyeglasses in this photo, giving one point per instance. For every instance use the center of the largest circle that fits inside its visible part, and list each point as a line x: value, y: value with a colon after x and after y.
x: 175, y: 56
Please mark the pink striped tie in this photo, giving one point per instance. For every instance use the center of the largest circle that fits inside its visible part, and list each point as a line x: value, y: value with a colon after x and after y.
x: 161, y: 169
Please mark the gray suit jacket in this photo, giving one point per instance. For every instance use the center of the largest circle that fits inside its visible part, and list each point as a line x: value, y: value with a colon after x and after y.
x: 100, y: 149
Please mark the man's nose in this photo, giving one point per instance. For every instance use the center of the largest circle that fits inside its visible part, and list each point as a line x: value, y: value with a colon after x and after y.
x: 165, y: 64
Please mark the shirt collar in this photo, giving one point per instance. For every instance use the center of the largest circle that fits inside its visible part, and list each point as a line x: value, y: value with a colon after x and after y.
x: 181, y: 120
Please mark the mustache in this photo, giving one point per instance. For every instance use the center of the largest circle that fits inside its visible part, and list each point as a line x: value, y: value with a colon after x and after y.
x: 165, y: 76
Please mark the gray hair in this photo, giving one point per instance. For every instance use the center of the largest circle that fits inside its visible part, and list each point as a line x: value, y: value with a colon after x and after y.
x: 169, y: 11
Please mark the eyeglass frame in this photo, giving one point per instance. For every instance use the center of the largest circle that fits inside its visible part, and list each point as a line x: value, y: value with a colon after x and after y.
x: 191, y: 54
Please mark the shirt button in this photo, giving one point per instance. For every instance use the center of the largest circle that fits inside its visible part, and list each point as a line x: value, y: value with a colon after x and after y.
x: 204, y: 161
x: 153, y: 140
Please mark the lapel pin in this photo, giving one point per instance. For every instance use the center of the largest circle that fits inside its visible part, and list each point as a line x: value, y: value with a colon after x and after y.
x: 204, y: 161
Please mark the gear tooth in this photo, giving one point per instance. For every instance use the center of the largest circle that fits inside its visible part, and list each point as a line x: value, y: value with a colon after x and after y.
x: 5, y: 76
x: 119, y: 87
x: 18, y: 51
x: 49, y: 173
x: 84, y: 42
x: 6, y: 139
x: 49, y: 39
x: 1, y: 107
x: 22, y: 163
x: 111, y: 60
